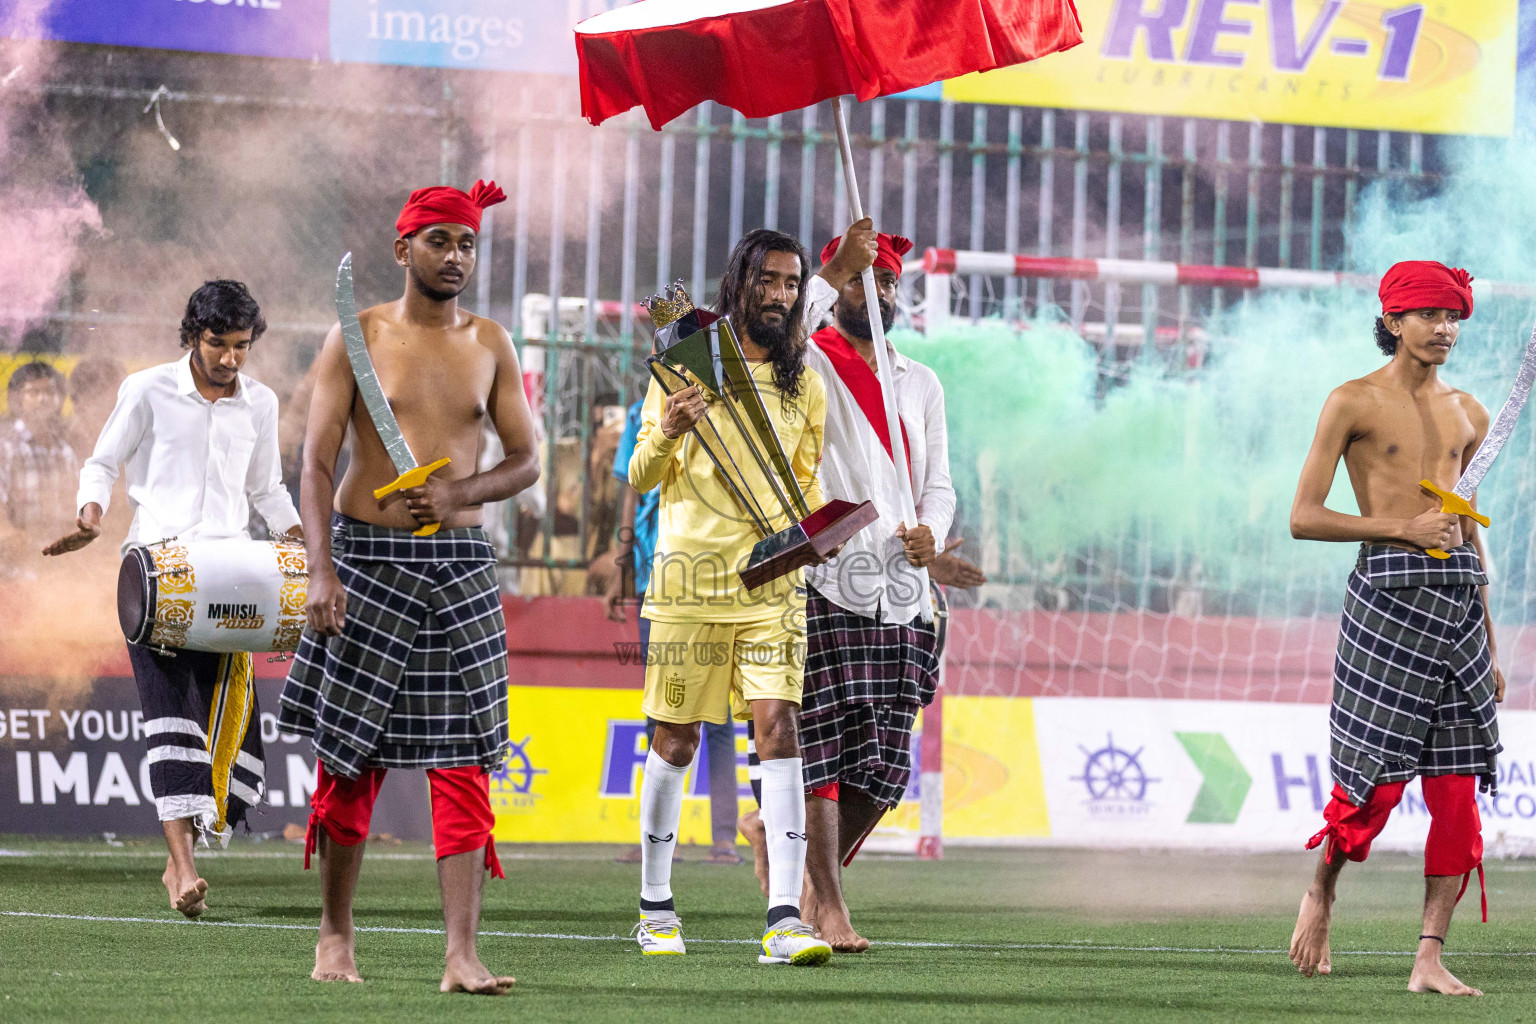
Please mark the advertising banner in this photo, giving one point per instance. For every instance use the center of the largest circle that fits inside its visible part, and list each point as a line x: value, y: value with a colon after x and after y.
x: 489, y: 35
x: 253, y: 28
x: 574, y: 774
x: 73, y: 762
x: 1372, y: 64
x: 496, y: 35
x: 1234, y: 775
x: 1091, y: 772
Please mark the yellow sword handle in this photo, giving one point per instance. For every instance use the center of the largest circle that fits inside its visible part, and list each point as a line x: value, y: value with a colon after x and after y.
x: 1451, y: 503
x: 414, y: 478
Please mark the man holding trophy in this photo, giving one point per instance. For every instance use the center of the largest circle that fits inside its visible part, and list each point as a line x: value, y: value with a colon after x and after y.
x: 731, y: 431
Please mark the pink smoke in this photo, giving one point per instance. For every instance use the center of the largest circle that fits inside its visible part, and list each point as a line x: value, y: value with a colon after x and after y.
x: 42, y: 202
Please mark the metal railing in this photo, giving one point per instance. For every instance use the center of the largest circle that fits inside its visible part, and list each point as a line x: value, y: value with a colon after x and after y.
x: 607, y: 215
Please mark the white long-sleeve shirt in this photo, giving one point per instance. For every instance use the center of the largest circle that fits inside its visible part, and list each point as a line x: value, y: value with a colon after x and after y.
x: 194, y: 468
x: 871, y: 574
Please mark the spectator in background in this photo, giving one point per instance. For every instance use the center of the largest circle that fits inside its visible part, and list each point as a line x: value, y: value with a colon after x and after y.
x: 637, y: 549
x: 38, y: 466
x: 578, y: 482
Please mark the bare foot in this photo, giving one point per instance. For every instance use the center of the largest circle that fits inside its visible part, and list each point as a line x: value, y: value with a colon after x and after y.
x: 1430, y: 975
x: 750, y: 825
x: 810, y: 906
x: 189, y: 895
x: 723, y: 853
x: 837, y: 931
x: 1309, y: 942
x: 469, y: 975
x: 335, y: 960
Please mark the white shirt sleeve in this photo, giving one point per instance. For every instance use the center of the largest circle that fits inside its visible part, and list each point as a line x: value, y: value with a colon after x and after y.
x: 936, y: 505
x: 264, y: 477
x: 120, y: 438
x: 819, y: 300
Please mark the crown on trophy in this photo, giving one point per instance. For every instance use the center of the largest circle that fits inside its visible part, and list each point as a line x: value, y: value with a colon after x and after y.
x: 669, y: 307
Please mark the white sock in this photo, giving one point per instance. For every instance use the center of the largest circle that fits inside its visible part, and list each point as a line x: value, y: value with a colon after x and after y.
x: 661, y: 810
x: 784, y: 822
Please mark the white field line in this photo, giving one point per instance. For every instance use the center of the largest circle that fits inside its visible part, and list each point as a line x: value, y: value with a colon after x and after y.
x: 1085, y: 946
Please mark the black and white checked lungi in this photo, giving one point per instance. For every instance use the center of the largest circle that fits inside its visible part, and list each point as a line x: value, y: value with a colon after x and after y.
x: 202, y: 726
x: 865, y: 681
x: 1413, y: 687
x: 418, y: 676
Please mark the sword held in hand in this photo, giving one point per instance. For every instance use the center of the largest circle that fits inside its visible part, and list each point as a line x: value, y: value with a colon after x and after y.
x: 1458, y: 500
x: 368, y: 386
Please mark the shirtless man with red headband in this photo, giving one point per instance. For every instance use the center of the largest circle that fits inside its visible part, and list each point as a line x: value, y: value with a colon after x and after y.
x: 1416, y: 678
x: 404, y: 663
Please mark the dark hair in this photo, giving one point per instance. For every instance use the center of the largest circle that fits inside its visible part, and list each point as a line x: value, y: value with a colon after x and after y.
x: 739, y: 291
x: 96, y: 374
x: 221, y: 307
x: 26, y: 373
x: 1385, y: 339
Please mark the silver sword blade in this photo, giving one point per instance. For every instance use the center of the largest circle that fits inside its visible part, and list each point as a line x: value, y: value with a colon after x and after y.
x: 1503, y: 424
x: 367, y: 380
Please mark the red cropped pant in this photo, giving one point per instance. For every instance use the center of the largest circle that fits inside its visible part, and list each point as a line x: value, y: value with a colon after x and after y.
x: 461, y: 811
x: 1455, y: 843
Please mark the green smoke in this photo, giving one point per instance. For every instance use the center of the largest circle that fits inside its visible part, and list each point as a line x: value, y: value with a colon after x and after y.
x: 1180, y: 482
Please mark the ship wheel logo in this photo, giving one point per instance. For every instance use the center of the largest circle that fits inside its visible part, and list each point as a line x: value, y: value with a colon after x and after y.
x: 517, y: 771
x: 1114, y: 773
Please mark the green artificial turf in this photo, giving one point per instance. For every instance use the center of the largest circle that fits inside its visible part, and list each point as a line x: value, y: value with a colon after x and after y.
x: 1032, y: 935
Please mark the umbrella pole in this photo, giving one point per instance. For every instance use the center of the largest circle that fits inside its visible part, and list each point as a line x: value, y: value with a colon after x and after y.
x: 882, y: 357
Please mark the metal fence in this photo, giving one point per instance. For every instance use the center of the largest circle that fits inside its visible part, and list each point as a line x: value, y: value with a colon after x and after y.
x: 606, y: 215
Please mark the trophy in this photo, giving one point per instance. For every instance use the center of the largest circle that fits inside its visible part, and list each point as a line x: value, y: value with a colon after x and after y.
x: 697, y: 347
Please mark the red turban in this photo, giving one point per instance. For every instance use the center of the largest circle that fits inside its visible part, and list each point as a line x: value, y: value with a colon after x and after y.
x: 1425, y: 284
x: 892, y: 249
x: 444, y: 204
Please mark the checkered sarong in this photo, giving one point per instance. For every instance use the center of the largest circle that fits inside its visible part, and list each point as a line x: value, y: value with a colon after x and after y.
x: 418, y: 677
x: 1413, y: 688
x: 864, y: 683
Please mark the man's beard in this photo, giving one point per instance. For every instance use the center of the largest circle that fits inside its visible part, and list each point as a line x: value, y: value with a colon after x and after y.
x: 436, y: 294
x: 773, y: 337
x: 856, y: 321
x: 208, y: 371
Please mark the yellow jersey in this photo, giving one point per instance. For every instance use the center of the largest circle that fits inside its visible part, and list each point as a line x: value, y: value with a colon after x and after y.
x: 705, y: 537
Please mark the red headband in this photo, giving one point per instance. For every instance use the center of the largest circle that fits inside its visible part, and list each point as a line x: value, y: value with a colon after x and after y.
x: 444, y: 204
x: 892, y: 249
x: 1425, y: 284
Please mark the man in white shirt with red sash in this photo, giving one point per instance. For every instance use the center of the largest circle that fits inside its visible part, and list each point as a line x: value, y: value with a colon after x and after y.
x: 871, y: 660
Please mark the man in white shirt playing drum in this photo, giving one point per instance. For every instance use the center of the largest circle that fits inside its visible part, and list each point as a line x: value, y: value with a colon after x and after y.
x: 197, y: 441
x: 871, y: 660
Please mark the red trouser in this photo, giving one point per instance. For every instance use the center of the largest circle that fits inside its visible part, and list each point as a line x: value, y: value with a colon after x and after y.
x: 461, y: 811
x: 1455, y: 843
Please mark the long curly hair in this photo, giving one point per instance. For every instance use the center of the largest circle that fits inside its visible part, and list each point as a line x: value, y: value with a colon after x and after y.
x: 740, y: 293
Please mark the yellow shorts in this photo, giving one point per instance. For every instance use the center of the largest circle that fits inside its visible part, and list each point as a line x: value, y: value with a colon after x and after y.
x: 711, y: 672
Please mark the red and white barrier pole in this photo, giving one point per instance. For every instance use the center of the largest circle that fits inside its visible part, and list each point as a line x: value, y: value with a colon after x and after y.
x: 948, y: 262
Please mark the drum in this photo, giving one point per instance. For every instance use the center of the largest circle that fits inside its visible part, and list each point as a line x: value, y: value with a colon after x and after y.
x: 213, y: 595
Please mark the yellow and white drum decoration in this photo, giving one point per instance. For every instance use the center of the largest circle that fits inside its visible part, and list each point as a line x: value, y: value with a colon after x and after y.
x: 214, y: 595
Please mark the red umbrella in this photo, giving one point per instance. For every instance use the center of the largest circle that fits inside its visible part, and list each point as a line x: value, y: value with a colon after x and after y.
x: 763, y: 57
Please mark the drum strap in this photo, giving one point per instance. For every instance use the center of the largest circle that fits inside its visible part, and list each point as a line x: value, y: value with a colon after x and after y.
x: 228, y: 719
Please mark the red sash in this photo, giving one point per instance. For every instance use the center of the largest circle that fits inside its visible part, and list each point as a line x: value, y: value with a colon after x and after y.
x: 863, y: 385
